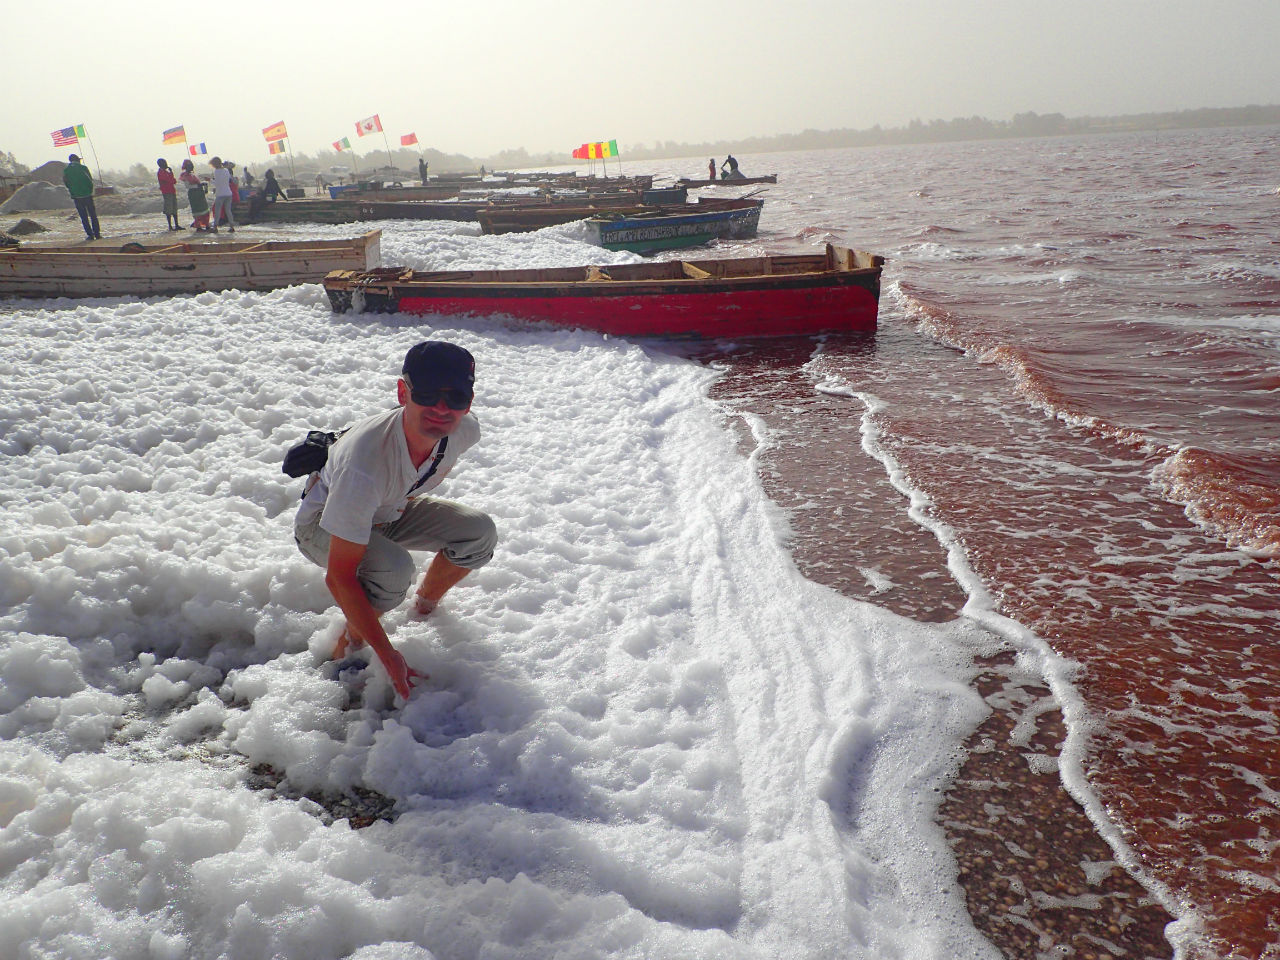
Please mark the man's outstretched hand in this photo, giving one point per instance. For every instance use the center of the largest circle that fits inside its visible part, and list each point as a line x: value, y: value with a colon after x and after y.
x: 403, y: 676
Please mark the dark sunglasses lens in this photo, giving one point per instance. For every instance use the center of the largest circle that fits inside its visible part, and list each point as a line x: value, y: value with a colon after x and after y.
x: 453, y: 399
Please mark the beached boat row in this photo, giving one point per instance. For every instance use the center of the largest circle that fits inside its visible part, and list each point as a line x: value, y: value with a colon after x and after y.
x: 792, y: 294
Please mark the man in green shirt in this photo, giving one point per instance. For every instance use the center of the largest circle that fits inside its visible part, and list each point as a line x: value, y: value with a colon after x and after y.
x: 80, y: 185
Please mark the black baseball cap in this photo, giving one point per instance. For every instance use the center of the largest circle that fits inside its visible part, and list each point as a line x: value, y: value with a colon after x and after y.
x: 440, y: 365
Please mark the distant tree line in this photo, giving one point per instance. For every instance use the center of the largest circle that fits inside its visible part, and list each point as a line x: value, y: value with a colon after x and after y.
x: 967, y: 128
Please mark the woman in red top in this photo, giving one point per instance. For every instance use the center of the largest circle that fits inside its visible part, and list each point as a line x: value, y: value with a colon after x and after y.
x: 169, y: 194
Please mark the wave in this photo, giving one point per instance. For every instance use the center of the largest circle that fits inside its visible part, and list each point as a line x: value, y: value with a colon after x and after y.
x: 1232, y: 497
x: 1228, y: 495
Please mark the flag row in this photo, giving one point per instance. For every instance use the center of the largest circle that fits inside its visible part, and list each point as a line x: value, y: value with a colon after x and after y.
x: 274, y: 134
x: 596, y: 151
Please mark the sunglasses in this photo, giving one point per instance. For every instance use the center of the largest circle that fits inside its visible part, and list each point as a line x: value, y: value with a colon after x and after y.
x: 453, y: 399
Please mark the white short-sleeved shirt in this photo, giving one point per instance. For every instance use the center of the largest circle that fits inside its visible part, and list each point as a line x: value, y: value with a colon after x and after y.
x: 222, y: 182
x: 369, y: 476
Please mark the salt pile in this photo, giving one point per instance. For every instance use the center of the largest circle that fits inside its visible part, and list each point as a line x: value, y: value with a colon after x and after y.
x: 38, y: 195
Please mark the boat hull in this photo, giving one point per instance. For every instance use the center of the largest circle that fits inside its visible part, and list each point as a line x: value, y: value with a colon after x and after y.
x: 651, y: 233
x: 820, y: 300
x: 355, y: 211
x: 727, y: 182
x: 34, y: 271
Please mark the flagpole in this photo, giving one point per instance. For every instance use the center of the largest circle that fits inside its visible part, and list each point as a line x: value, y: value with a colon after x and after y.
x: 289, y: 147
x: 390, y: 163
x: 96, y: 164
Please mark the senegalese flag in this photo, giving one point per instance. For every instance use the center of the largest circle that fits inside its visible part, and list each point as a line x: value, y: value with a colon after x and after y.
x: 343, y: 144
x: 68, y: 136
x: 274, y: 132
x: 197, y: 148
x: 609, y: 148
x: 176, y: 134
x: 408, y: 140
x: 580, y: 153
x: 276, y: 146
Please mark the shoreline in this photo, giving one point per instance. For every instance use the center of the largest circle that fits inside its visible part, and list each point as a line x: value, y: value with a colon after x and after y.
x: 1038, y: 878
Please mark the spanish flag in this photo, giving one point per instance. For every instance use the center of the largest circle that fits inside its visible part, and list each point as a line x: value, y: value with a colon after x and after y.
x: 176, y: 134
x: 276, y: 146
x: 274, y: 132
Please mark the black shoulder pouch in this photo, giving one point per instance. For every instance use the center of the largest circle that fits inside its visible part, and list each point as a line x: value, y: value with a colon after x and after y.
x: 310, y: 455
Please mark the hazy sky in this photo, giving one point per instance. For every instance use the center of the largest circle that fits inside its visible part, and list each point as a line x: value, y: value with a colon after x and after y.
x: 481, y: 76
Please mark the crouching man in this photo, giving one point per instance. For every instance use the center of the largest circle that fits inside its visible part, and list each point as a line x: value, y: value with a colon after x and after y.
x: 366, y: 509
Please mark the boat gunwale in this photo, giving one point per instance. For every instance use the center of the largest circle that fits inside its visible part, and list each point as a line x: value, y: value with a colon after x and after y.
x: 823, y: 270
x: 254, y: 249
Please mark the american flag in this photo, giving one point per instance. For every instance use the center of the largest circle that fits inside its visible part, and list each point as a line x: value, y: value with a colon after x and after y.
x: 66, y: 137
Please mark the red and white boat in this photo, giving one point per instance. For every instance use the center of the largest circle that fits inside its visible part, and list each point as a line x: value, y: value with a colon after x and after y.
x: 772, y: 296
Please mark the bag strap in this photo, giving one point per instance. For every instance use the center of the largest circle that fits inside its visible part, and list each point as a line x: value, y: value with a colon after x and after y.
x: 435, y: 465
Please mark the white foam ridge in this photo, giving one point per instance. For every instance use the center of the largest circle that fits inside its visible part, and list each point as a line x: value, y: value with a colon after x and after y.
x: 1034, y: 656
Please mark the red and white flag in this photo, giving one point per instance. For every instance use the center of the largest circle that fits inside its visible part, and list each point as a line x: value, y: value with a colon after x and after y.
x: 408, y: 140
x: 369, y: 125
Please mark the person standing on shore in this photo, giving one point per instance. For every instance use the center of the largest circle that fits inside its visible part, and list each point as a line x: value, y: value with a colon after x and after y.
x: 221, y: 196
x: 79, y: 183
x: 365, y: 509
x: 711, y: 169
x: 168, y: 194
x: 422, y: 170
x: 196, y: 197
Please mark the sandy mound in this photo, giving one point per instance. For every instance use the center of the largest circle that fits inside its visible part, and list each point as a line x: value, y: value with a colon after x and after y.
x: 38, y: 196
x: 25, y: 226
x: 50, y: 172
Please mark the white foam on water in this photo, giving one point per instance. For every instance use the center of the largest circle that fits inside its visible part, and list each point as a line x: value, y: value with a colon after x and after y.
x: 645, y: 734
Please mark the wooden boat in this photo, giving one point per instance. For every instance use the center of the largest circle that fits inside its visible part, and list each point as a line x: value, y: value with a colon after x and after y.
x: 355, y: 211
x: 672, y: 228
x: 32, y: 270
x: 534, y: 214
x: 781, y: 295
x: 525, y: 218
x: 727, y: 181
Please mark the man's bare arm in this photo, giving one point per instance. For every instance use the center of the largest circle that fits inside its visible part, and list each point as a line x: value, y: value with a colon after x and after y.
x: 362, y: 619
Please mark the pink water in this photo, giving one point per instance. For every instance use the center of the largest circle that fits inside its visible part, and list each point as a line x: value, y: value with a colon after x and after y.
x: 1079, y: 365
